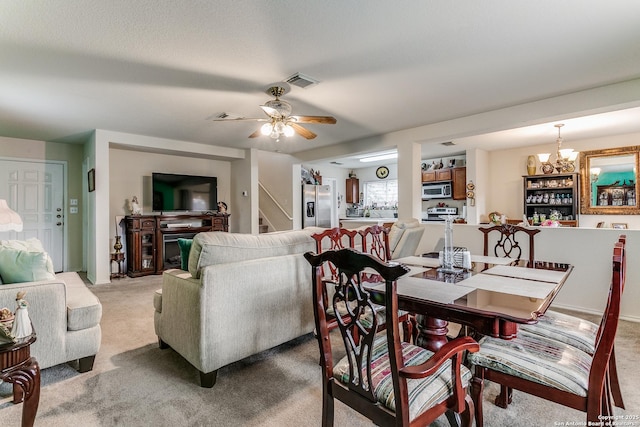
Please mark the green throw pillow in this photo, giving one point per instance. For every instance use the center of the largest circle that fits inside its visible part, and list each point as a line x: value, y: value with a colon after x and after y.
x: 185, y: 248
x: 17, y: 266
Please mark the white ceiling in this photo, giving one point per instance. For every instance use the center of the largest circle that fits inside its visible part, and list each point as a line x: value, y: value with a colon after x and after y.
x: 165, y: 67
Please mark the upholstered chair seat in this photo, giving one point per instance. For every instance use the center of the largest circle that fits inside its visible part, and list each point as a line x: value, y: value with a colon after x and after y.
x: 567, y: 329
x: 538, y: 359
x: 424, y: 393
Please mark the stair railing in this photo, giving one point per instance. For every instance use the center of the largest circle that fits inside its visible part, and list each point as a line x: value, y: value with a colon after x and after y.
x: 279, y: 207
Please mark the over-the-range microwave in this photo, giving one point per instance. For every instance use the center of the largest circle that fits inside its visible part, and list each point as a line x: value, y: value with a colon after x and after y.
x: 437, y: 190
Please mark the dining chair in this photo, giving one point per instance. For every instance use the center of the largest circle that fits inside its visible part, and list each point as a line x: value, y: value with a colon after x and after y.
x: 550, y: 369
x: 333, y: 239
x: 375, y: 241
x: 390, y: 382
x: 507, y: 239
x: 579, y: 333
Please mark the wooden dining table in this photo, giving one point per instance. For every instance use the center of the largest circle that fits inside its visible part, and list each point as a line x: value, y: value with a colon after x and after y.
x: 491, y: 301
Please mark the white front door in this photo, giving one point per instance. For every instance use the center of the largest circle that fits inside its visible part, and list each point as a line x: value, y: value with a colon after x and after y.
x: 35, y: 190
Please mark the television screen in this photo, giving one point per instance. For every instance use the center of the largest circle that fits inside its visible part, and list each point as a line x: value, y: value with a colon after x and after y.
x: 172, y: 192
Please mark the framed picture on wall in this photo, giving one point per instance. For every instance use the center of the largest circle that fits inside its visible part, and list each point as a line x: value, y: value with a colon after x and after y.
x: 619, y: 225
x: 91, y: 176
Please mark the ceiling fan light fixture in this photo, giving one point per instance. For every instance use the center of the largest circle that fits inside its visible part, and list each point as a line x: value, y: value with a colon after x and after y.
x: 279, y: 127
x: 266, y: 129
x: 288, y: 131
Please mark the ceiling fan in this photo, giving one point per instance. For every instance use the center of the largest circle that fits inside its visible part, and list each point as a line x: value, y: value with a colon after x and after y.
x: 279, y: 120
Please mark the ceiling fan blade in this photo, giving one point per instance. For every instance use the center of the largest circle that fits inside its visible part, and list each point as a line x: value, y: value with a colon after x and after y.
x: 269, y: 111
x: 255, y: 134
x: 326, y: 120
x: 306, y: 133
x: 241, y: 119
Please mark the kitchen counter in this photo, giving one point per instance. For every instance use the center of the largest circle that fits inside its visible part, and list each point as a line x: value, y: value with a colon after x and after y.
x: 355, y: 222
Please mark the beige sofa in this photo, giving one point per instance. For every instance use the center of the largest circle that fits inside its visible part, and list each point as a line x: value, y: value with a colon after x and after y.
x: 404, y: 237
x: 242, y: 294
x: 65, y: 315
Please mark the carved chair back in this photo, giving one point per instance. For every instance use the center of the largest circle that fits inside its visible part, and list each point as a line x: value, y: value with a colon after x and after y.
x: 375, y: 241
x: 334, y: 239
x: 508, y: 241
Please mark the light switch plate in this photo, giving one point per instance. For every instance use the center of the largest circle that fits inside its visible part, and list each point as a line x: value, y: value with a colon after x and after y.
x: 73, y: 210
x: 73, y: 202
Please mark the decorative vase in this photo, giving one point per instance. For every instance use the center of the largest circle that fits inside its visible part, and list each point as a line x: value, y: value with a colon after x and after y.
x: 118, y: 245
x: 447, y: 253
x: 531, y: 165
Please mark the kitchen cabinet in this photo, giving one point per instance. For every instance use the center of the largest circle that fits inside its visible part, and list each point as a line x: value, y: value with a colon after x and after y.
x: 552, y: 192
x: 437, y: 175
x: 457, y: 176
x: 459, y: 184
x: 353, y: 190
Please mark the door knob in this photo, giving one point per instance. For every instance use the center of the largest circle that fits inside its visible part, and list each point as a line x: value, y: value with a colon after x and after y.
x: 59, y: 209
x: 58, y: 216
x: 58, y: 223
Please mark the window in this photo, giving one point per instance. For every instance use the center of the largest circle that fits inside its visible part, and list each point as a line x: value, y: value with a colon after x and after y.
x: 381, y: 194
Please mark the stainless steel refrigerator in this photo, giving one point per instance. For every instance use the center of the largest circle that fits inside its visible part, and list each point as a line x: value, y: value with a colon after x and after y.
x: 316, y: 206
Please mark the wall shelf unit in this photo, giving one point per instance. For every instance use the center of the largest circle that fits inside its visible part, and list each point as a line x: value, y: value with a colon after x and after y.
x: 553, y: 192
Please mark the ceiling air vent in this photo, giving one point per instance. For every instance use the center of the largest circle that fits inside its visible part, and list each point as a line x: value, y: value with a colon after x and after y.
x: 301, y: 80
x: 448, y: 143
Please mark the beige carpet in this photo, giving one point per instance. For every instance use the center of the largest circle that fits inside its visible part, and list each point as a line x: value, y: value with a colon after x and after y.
x: 134, y: 383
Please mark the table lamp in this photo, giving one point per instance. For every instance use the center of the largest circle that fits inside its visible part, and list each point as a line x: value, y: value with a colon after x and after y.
x: 9, y: 219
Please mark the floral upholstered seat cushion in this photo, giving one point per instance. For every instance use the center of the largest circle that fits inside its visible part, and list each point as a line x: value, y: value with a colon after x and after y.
x: 538, y: 359
x: 565, y: 328
x: 423, y: 393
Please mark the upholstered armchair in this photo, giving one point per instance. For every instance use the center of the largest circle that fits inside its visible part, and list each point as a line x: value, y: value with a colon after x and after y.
x: 404, y: 237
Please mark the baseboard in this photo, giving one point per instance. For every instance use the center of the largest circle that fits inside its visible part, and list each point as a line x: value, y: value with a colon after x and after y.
x: 635, y: 319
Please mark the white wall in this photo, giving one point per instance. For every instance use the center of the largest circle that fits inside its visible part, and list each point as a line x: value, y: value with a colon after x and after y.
x: 130, y: 175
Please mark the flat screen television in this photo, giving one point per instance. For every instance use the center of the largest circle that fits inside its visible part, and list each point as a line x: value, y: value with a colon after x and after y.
x: 174, y: 193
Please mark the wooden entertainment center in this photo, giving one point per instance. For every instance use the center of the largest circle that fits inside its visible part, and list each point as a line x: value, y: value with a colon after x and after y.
x: 152, y: 239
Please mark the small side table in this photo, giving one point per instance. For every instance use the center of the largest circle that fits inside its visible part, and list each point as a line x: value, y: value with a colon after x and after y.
x: 18, y: 367
x: 118, y: 257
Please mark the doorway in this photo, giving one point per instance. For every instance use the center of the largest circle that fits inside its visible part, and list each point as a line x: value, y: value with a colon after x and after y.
x: 35, y: 190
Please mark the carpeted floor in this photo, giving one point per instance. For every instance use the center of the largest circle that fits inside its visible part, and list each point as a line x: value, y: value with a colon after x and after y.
x: 134, y: 383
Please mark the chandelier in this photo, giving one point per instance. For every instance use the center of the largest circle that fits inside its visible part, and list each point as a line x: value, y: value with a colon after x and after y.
x: 565, y: 158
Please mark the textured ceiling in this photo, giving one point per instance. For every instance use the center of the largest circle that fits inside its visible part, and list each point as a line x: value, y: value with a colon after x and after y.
x: 164, y: 68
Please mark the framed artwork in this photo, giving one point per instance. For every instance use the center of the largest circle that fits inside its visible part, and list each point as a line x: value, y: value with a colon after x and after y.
x: 91, y: 176
x: 619, y: 225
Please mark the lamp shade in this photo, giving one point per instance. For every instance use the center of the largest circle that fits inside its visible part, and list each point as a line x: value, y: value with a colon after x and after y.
x: 9, y: 219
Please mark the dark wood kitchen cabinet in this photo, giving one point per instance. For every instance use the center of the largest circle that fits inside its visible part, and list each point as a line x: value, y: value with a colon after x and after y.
x: 352, y: 190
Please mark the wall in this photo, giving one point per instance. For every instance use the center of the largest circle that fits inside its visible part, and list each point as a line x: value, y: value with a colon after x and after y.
x: 506, y: 168
x: 589, y: 250
x: 72, y: 154
x: 130, y: 175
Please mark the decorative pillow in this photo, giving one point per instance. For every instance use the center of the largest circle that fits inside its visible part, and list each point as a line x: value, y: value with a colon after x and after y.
x: 185, y: 248
x: 30, y: 245
x: 19, y: 266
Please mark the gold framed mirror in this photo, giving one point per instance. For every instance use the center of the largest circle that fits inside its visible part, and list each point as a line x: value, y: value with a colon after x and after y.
x: 609, y: 184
